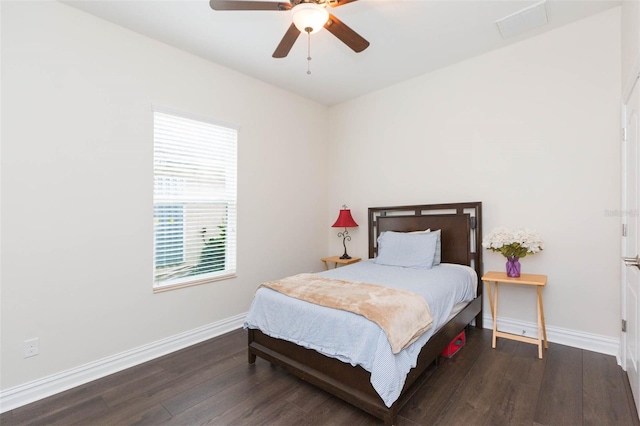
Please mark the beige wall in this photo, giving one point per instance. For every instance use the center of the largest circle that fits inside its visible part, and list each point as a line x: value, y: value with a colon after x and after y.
x: 532, y: 131
x: 77, y: 222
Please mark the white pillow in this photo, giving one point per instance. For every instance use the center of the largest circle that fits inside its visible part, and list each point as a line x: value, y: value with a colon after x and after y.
x: 409, y: 250
x: 437, y: 257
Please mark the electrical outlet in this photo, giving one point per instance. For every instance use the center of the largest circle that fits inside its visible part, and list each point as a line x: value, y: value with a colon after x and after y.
x: 31, y: 347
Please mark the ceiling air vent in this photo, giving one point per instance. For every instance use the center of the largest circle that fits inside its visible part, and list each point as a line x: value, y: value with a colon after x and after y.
x: 524, y: 20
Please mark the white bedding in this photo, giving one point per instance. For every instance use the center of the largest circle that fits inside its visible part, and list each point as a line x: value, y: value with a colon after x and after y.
x: 354, y: 339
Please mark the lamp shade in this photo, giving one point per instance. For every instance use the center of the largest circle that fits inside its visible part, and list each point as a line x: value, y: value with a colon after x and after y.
x: 345, y: 220
x: 309, y: 15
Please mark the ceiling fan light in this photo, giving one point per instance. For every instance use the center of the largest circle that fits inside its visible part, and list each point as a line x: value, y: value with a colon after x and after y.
x: 309, y: 15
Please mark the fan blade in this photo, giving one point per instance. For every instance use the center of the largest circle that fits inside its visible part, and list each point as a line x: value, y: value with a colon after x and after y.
x: 248, y: 5
x: 336, y: 3
x: 286, y: 43
x: 346, y: 34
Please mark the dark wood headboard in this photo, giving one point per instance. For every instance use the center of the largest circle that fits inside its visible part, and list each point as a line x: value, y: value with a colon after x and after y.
x: 461, y: 225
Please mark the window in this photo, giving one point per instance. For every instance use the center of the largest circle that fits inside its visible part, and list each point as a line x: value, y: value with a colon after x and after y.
x: 194, y: 200
x: 169, y: 235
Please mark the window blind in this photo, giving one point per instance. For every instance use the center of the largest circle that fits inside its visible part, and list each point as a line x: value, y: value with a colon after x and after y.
x: 194, y: 199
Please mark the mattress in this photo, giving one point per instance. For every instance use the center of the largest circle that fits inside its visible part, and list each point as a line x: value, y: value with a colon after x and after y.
x: 354, y: 339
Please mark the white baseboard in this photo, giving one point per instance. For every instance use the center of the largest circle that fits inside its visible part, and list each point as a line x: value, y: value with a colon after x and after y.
x: 38, y: 389
x: 577, y: 339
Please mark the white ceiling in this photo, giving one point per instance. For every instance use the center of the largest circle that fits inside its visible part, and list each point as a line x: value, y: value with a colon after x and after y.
x: 408, y: 38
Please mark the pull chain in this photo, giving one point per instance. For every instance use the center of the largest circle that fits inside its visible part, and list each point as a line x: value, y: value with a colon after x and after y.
x: 308, y: 30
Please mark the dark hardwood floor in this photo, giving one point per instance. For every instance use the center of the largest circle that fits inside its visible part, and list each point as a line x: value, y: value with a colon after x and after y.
x: 211, y: 383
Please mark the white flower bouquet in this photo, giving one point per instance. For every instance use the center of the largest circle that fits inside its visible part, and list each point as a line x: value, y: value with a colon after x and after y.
x: 513, y: 243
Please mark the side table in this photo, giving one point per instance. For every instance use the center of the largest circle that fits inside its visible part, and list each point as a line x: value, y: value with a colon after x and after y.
x: 337, y: 261
x: 525, y: 279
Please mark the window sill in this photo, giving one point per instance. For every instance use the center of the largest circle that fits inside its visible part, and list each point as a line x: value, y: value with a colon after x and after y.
x: 164, y: 288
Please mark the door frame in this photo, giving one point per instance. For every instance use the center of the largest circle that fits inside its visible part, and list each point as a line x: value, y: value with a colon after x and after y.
x: 632, y: 81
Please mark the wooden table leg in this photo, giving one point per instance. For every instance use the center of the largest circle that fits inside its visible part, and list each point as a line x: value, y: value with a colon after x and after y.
x: 490, y: 298
x: 494, y: 312
x: 539, y: 331
x: 326, y: 267
x: 541, y: 313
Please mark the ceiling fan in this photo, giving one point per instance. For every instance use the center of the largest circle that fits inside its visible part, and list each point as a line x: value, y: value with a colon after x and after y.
x: 308, y: 15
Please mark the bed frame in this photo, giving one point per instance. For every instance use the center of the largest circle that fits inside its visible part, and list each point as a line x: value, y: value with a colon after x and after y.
x: 461, y: 225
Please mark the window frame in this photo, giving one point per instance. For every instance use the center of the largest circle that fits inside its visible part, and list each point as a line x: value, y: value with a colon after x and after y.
x: 229, y: 215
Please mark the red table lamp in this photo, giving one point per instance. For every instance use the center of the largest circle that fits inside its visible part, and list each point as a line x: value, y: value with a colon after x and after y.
x: 345, y: 221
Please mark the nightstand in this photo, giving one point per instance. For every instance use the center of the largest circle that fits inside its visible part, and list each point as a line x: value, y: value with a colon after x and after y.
x: 337, y: 261
x: 525, y: 279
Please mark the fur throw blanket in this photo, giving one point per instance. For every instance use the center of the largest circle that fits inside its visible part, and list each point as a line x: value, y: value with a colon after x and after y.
x: 403, y: 315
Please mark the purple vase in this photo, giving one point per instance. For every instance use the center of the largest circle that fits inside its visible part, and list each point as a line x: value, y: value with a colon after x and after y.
x: 513, y: 267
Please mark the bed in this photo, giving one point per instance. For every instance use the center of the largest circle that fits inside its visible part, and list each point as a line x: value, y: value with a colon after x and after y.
x: 460, y: 225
